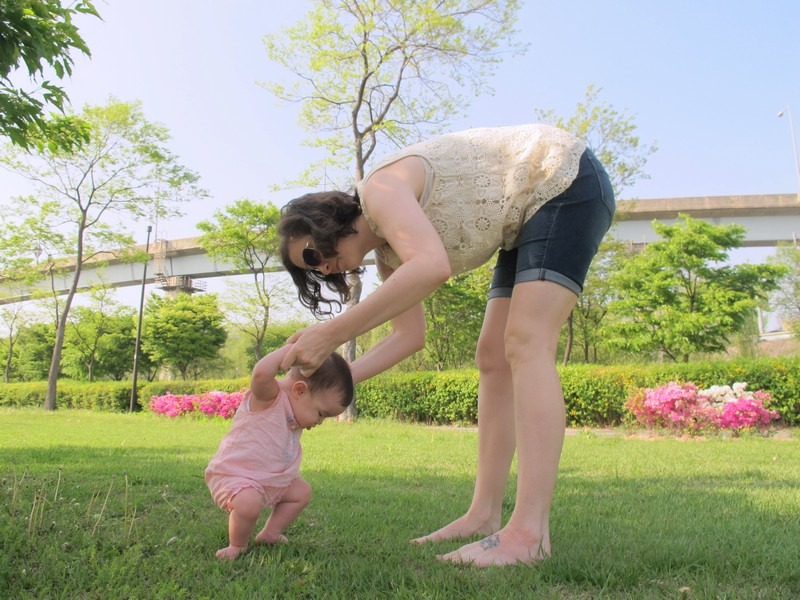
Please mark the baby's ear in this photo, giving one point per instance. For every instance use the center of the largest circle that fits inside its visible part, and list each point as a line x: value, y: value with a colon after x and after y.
x: 299, y: 388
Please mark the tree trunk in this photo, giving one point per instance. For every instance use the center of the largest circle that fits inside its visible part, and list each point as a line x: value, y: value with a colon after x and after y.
x: 55, y: 361
x: 7, y: 373
x: 570, y: 333
x: 61, y: 328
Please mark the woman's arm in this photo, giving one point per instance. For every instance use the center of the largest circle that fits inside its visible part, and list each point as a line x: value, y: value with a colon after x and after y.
x: 406, y: 338
x: 390, y: 195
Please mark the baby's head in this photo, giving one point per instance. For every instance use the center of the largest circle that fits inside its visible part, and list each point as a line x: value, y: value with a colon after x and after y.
x: 327, y: 392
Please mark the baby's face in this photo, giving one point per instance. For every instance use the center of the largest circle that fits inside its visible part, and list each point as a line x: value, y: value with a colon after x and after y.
x: 312, y: 408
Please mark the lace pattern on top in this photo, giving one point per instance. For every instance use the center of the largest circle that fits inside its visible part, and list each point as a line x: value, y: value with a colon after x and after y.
x: 486, y: 184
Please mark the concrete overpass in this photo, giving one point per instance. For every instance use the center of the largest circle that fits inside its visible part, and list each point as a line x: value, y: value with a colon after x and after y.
x: 768, y: 219
x: 179, y: 264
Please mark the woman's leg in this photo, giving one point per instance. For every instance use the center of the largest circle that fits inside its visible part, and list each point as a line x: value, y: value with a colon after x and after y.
x: 538, y: 310
x: 287, y: 510
x: 495, y: 431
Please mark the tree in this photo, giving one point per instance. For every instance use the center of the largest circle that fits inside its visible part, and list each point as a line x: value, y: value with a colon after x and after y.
x: 88, y: 197
x: 454, y: 315
x: 786, y: 298
x: 115, y: 351
x: 373, y: 72
x: 611, y: 135
x: 184, y: 331
x: 678, y: 298
x: 592, y: 308
x: 35, y: 35
x: 14, y: 319
x: 34, y: 350
x: 100, y: 328
x: 245, y: 234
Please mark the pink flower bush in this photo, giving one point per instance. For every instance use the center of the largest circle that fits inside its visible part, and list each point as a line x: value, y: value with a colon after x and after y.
x: 684, y: 407
x: 210, y: 404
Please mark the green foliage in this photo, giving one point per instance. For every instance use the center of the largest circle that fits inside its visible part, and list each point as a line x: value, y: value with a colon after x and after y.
x: 611, y: 136
x: 35, y: 34
x: 99, y: 505
x: 103, y: 396
x: 33, y: 352
x: 182, y: 331
x: 677, y: 296
x: 591, y: 313
x: 786, y: 299
x: 594, y: 395
x: 428, y: 397
x: 245, y: 234
x: 369, y: 74
x: 86, y: 199
x: 100, y: 339
x: 454, y: 316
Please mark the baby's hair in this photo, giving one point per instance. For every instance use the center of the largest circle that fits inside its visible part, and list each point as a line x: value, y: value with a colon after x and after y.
x: 327, y: 217
x: 333, y: 373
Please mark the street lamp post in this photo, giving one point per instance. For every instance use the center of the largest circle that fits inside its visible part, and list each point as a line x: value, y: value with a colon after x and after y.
x: 788, y: 110
x: 139, y: 325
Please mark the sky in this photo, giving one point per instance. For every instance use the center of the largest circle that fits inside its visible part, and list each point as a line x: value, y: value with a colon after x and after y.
x: 703, y: 79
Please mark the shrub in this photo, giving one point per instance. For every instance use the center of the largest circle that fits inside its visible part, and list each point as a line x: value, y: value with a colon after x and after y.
x: 684, y: 407
x: 594, y: 395
x: 210, y: 404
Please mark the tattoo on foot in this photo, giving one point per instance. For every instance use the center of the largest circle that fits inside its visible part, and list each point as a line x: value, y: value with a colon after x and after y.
x: 490, y: 542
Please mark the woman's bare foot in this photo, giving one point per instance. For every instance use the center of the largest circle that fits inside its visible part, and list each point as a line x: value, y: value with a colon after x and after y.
x: 230, y: 552
x: 498, y: 549
x: 271, y: 538
x: 459, y: 529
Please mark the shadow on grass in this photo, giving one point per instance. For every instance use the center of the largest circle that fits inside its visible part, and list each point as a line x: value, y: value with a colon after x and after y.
x: 139, y: 522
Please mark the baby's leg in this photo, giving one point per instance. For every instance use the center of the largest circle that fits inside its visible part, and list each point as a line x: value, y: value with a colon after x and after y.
x: 287, y: 510
x: 245, y: 508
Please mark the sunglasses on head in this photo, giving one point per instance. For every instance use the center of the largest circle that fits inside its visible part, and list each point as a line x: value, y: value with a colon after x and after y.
x: 311, y: 256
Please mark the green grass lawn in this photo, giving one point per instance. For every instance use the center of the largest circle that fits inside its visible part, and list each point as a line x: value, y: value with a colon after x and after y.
x: 104, y: 506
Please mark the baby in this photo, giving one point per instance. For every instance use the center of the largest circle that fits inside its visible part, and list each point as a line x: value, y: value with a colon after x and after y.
x: 258, y: 460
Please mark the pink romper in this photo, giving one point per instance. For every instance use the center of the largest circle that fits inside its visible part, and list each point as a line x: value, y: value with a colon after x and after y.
x: 261, y: 451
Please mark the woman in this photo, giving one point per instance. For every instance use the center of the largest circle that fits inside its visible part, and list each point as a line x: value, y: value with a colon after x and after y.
x: 437, y: 209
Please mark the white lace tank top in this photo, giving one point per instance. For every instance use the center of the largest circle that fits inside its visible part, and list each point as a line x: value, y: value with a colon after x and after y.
x: 484, y: 184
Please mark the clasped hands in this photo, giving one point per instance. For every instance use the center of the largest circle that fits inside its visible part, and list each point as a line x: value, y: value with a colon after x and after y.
x: 312, y: 345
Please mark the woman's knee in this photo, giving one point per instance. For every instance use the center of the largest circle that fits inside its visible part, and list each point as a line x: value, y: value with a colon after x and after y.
x: 524, y: 344
x: 490, y: 354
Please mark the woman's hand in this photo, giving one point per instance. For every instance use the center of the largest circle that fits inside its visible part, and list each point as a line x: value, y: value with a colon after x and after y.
x: 312, y: 345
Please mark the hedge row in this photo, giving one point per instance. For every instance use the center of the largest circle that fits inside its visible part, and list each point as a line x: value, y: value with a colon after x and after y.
x: 112, y: 396
x: 595, y: 395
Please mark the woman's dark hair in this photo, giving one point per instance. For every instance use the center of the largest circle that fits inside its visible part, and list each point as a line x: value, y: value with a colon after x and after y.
x: 333, y: 374
x: 327, y: 217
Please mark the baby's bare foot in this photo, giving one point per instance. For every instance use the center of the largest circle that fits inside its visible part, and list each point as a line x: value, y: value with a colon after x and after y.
x: 230, y: 552
x: 459, y: 529
x: 271, y: 538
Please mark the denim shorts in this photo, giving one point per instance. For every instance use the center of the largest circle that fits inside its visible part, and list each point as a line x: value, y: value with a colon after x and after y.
x: 560, y: 240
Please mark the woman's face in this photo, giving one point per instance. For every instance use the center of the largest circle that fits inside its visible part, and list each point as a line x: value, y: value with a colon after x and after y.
x: 304, y: 254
